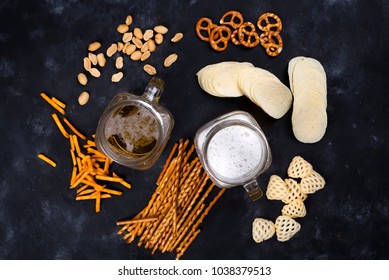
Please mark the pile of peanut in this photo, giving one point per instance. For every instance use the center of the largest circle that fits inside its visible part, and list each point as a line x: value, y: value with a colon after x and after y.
x: 135, y: 43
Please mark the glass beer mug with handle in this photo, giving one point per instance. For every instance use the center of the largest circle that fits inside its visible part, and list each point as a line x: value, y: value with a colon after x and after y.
x: 234, y: 151
x: 133, y: 130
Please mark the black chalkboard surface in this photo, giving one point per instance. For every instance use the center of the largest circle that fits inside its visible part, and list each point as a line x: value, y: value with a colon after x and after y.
x: 42, y: 49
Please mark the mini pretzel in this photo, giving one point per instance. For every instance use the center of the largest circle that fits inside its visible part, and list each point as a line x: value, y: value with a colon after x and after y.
x: 219, y: 38
x: 269, y: 22
x: 232, y: 18
x: 247, y: 35
x: 204, y: 25
x: 272, y: 42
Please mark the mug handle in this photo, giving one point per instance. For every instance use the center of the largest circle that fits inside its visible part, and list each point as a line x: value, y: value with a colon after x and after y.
x: 254, y: 190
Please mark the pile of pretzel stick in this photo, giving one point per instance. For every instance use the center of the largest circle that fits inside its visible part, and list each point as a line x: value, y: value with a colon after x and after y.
x: 170, y: 222
x: 233, y: 27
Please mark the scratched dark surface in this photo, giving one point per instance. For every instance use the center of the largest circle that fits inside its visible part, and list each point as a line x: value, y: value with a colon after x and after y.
x: 42, y: 44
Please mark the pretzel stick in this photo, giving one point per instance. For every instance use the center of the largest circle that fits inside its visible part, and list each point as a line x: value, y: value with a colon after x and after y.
x: 205, y: 213
x: 185, y: 221
x: 167, y: 163
x: 190, y: 238
x: 144, y: 220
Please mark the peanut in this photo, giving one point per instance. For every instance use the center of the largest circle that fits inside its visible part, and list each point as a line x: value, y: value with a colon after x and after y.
x: 170, y: 60
x: 138, y: 33
x: 128, y: 20
x: 120, y: 46
x: 149, y: 33
x: 93, y: 58
x: 95, y: 72
x: 122, y: 28
x: 127, y: 37
x: 83, y: 98
x: 151, y: 45
x: 94, y: 46
x: 101, y: 59
x: 87, y: 64
x: 136, y: 55
x: 130, y: 49
x: 125, y: 47
x: 137, y: 42
x: 149, y: 69
x: 144, y: 48
x: 158, y: 38
x: 161, y: 29
x: 119, y: 62
x: 117, y: 77
x: 145, y: 56
x: 112, y: 50
x: 177, y: 37
x: 82, y: 79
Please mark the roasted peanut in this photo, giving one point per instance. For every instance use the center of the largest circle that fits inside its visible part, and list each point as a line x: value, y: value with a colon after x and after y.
x: 170, y: 60
x: 93, y: 58
x: 161, y: 29
x: 83, y: 98
x: 151, y: 45
x: 112, y: 50
x: 117, y: 77
x: 136, y: 55
x: 95, y: 72
x: 101, y: 59
x: 149, y: 33
x: 145, y: 56
x: 149, y: 69
x: 137, y: 42
x: 130, y: 49
x: 87, y: 64
x: 138, y: 33
x: 82, y: 79
x: 128, y: 20
x: 158, y: 38
x: 144, y: 48
x: 178, y: 37
x: 122, y: 28
x: 119, y: 62
x: 94, y: 46
x: 120, y: 46
x: 127, y: 37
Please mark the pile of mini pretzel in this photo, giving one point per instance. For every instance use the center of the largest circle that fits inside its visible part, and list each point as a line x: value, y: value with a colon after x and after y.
x: 233, y: 27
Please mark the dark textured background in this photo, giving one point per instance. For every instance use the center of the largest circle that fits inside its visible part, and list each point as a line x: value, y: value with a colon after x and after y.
x: 42, y: 44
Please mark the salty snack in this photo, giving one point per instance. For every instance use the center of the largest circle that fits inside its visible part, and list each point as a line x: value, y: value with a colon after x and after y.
x: 247, y: 35
x: 219, y: 38
x: 269, y: 22
x: 276, y: 188
x: 307, y: 80
x: 286, y: 228
x: 233, y: 19
x: 170, y: 221
x: 90, y: 167
x: 295, y: 209
x: 203, y: 28
x: 59, y: 106
x: 47, y: 160
x: 233, y: 27
x: 299, y: 168
x: 136, y: 43
x: 234, y: 79
x: 295, y: 191
x: 265, y: 90
x: 221, y: 79
x: 312, y: 183
x: 262, y: 230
